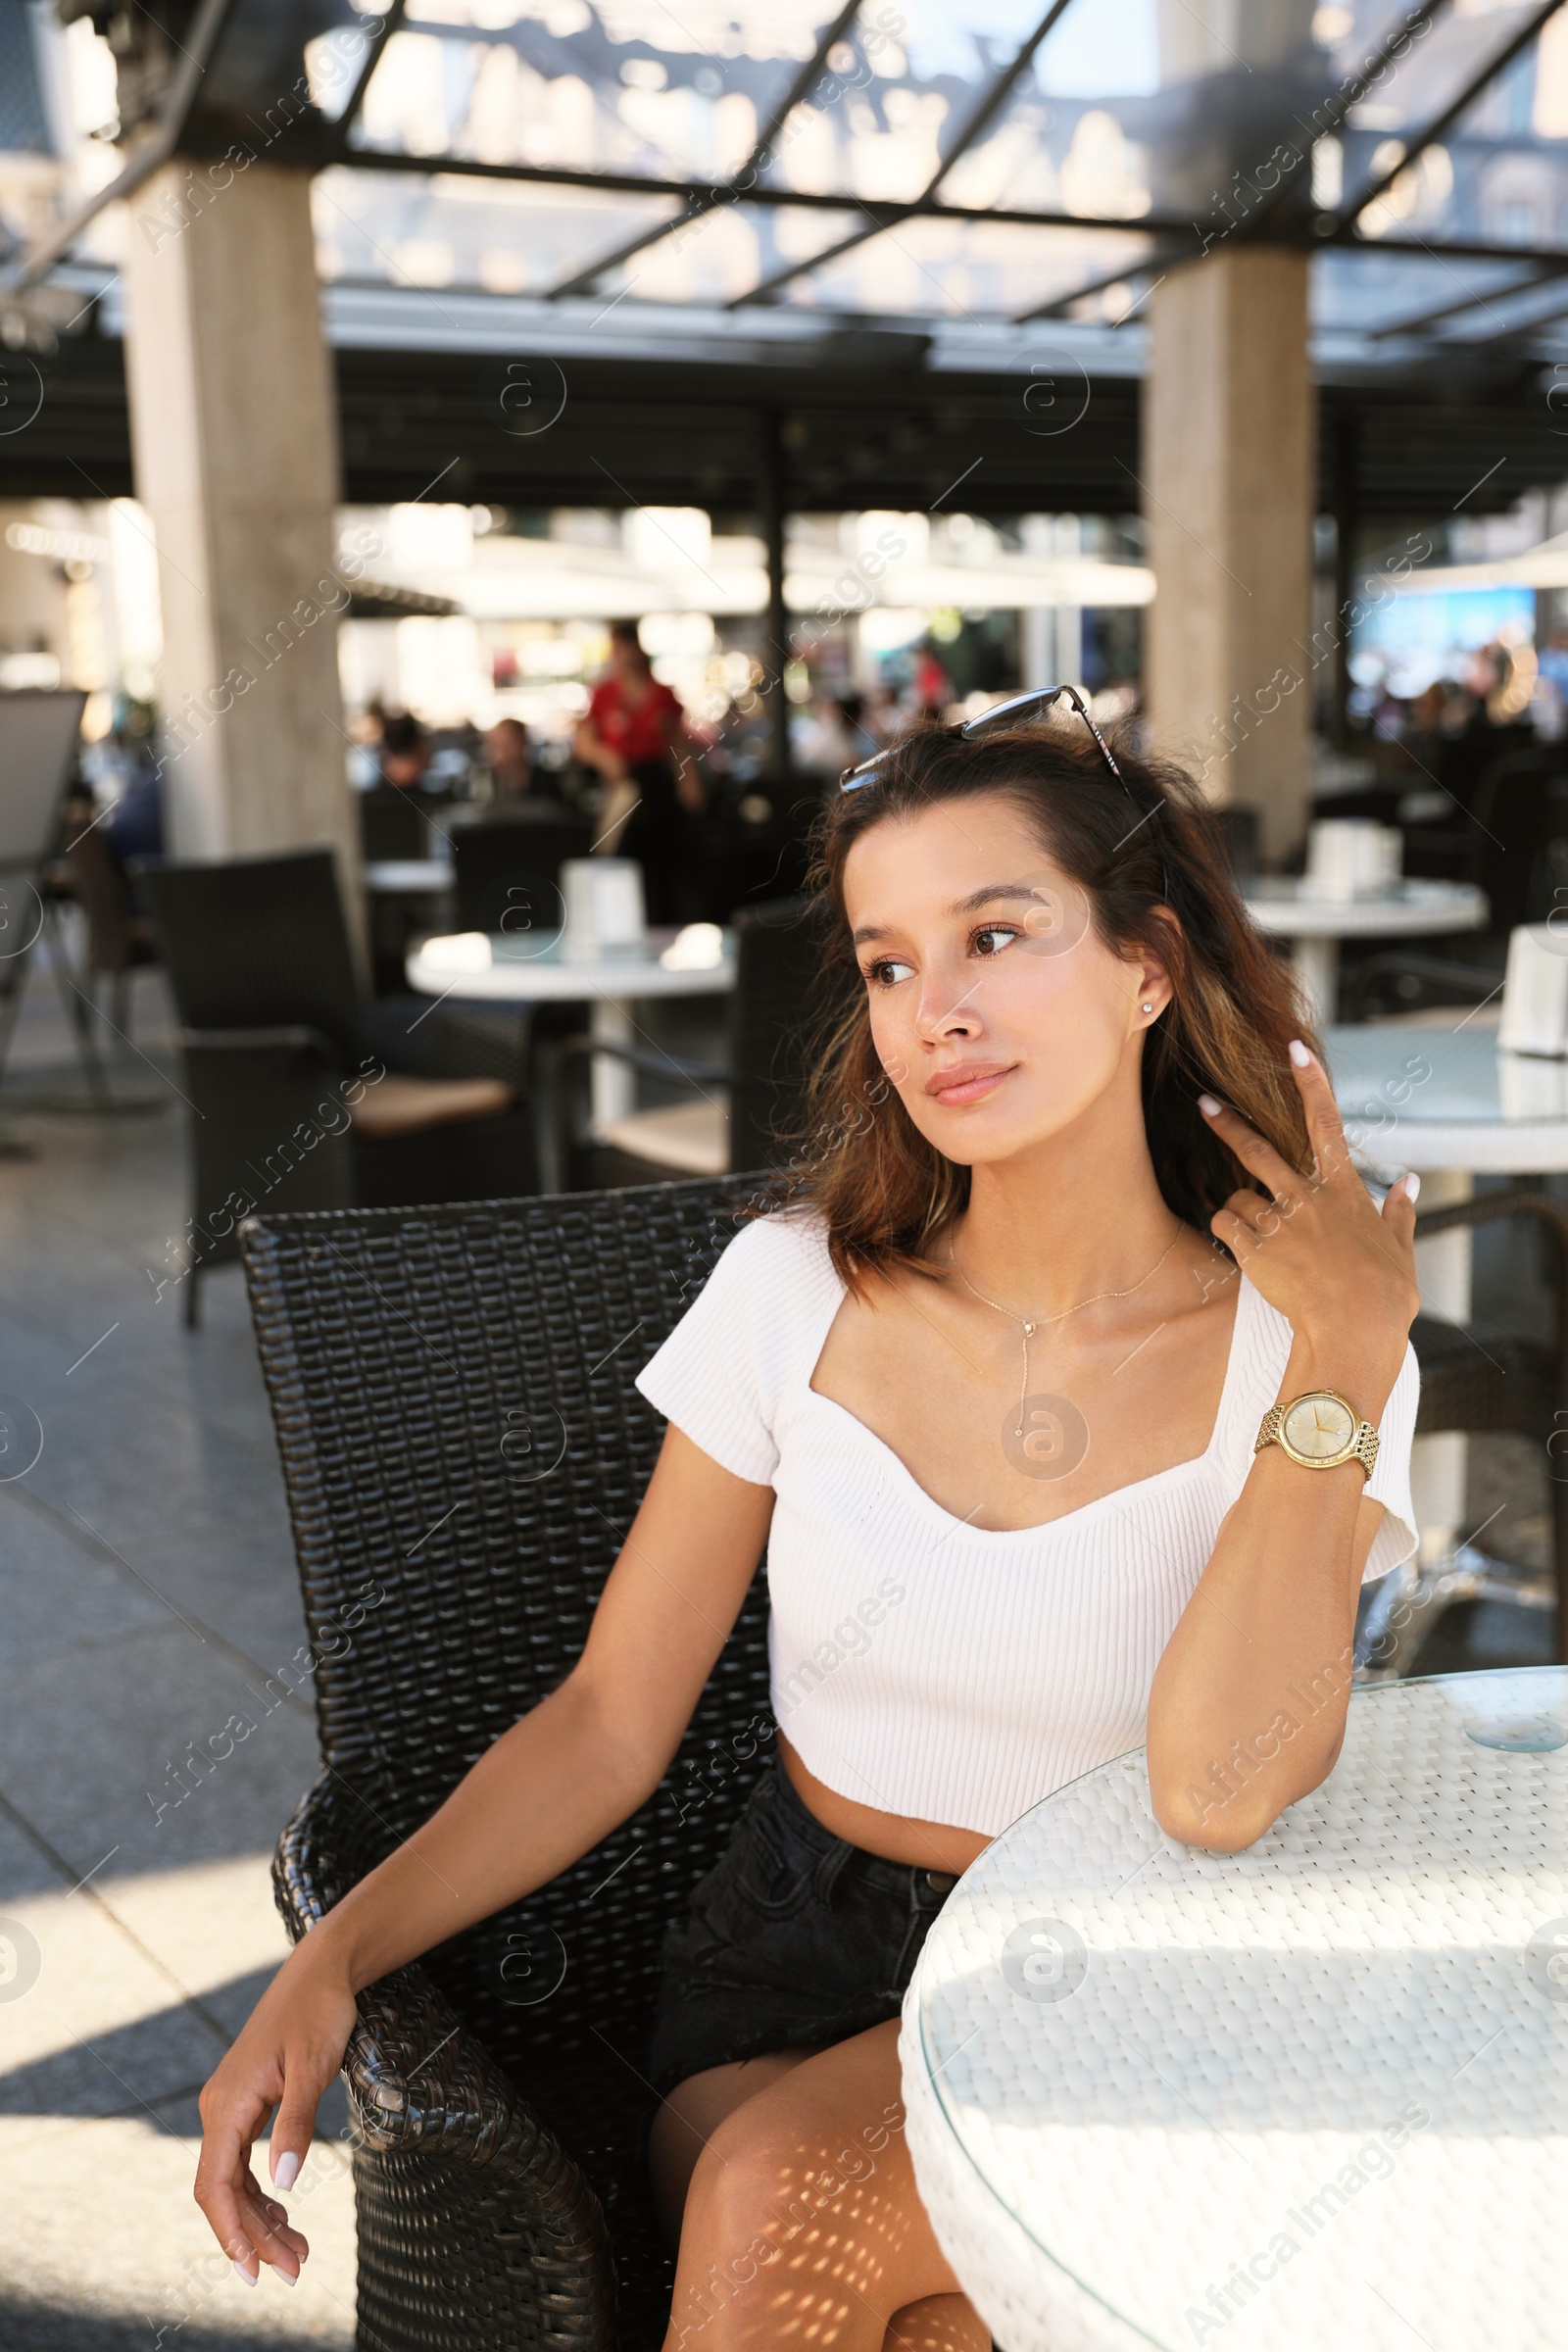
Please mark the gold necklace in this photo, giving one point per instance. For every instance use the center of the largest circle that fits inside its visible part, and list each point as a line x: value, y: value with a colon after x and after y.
x: 1029, y: 1325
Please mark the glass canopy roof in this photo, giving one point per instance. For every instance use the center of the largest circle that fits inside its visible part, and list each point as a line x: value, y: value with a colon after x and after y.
x: 987, y: 162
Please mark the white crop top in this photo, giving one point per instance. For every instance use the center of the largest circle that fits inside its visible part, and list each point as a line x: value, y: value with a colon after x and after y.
x: 919, y: 1664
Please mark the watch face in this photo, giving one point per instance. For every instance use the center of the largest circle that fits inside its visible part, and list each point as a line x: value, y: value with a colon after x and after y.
x: 1318, y: 1427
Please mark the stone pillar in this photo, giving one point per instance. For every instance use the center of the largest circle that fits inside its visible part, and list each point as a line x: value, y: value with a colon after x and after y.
x: 1229, y: 475
x: 234, y: 438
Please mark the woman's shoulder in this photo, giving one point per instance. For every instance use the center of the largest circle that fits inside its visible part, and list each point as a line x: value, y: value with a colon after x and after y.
x: 785, y: 1250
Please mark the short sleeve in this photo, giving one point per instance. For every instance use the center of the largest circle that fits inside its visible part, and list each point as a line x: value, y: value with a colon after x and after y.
x: 720, y: 1374
x: 1390, y: 1483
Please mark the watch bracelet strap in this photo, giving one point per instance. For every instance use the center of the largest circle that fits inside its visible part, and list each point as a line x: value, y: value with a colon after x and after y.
x: 1363, y: 1449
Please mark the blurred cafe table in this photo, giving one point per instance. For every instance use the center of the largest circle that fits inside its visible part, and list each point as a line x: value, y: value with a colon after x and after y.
x: 1287, y: 906
x: 1301, y: 2098
x: 1451, y: 1103
x: 531, y: 968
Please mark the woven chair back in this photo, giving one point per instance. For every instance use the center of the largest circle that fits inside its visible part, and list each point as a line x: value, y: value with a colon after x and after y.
x: 463, y: 1451
x: 258, y: 942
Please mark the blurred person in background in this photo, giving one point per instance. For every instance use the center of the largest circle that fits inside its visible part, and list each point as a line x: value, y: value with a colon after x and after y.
x: 509, y: 755
x: 634, y: 735
x: 405, y: 751
x: 933, y: 687
x: 834, y: 736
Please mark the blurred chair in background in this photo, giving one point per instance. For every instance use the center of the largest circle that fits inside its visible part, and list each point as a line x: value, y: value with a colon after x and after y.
x: 40, y: 730
x: 301, y: 1096
x: 744, y: 1112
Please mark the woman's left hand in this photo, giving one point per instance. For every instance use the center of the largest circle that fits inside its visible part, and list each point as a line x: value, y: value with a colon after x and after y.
x: 1341, y: 1274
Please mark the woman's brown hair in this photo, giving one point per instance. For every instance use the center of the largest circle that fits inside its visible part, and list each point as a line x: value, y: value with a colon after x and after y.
x: 1135, y: 848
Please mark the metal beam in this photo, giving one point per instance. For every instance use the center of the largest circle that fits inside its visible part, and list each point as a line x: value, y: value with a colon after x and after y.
x: 184, y: 87
x: 1508, y: 334
x: 640, y: 183
x: 582, y: 281
x: 1344, y: 221
x: 978, y: 121
x: 1465, y: 302
x: 388, y: 25
x: 1061, y: 304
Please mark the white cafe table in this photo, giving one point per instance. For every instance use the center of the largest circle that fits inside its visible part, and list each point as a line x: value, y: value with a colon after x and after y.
x: 530, y: 967
x: 1287, y: 908
x: 1447, y: 1103
x: 1309, y: 2097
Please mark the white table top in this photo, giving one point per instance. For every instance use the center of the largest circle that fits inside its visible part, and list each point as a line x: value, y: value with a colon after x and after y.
x: 1283, y: 904
x: 530, y: 968
x: 1335, y: 2066
x: 1448, y: 1099
x: 389, y: 877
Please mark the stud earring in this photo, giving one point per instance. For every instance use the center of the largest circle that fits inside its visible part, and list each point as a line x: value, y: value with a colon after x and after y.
x: 1145, y: 1009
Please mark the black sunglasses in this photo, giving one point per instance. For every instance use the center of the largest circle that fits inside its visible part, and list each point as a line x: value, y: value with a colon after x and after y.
x: 1002, y: 714
x: 1008, y: 714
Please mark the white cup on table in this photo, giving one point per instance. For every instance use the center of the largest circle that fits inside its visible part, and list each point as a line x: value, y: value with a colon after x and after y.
x: 1351, y: 858
x: 1534, y: 993
x: 605, y: 915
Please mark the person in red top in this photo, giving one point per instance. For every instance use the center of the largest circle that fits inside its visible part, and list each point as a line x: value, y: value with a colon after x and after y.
x: 634, y: 733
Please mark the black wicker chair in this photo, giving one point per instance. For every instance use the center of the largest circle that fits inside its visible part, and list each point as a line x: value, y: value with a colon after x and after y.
x: 1484, y: 1381
x: 463, y: 1449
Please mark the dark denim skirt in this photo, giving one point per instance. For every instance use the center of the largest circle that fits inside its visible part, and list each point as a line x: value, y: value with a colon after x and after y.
x: 796, y: 1938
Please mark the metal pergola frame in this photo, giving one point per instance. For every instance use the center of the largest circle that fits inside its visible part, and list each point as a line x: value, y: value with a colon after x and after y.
x: 316, y: 143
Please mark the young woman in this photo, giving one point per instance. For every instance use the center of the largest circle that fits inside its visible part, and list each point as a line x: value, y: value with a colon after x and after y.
x: 1071, y: 1395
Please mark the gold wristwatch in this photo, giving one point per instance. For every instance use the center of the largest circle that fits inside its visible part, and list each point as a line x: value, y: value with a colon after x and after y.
x: 1319, y: 1430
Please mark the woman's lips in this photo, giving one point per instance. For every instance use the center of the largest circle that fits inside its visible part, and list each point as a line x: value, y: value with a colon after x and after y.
x: 967, y: 1083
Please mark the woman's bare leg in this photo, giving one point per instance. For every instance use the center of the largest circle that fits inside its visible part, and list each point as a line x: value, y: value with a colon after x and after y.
x: 692, y: 2114
x: 939, y: 2324
x: 801, y: 2222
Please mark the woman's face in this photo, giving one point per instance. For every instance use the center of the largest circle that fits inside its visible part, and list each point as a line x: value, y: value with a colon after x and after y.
x: 998, y: 1011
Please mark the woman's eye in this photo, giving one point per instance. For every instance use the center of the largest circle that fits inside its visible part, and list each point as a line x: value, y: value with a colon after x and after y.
x: 888, y: 971
x: 993, y: 939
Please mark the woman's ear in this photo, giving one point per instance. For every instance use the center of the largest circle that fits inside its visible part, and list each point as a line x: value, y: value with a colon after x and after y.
x: 1155, y: 966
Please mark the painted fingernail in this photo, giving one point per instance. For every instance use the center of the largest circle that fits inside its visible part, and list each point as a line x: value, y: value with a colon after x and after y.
x: 1299, y: 1054
x: 1412, y: 1185
x: 285, y: 2169
x: 242, y: 2273
x: 1207, y: 1105
x: 286, y: 2278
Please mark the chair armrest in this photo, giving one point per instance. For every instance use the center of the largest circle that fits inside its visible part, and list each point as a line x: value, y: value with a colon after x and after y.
x: 418, y: 2081
x: 1390, y: 963
x: 1519, y: 1200
x: 641, y: 1057
x: 572, y: 1052
x: 287, y: 1038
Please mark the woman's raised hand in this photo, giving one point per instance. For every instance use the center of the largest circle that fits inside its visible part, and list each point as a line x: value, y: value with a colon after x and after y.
x: 1343, y: 1275
x: 291, y: 2048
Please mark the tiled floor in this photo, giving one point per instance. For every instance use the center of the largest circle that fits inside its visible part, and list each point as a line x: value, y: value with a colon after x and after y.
x: 148, y: 1590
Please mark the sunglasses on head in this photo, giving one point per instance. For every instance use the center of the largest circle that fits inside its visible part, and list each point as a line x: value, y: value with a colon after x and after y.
x: 1005, y: 715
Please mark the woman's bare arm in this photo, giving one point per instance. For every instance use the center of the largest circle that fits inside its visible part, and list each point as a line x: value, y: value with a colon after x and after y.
x: 543, y: 1794
x: 1248, y: 1709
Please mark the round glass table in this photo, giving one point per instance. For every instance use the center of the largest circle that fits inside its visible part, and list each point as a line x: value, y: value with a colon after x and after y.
x: 1312, y: 2097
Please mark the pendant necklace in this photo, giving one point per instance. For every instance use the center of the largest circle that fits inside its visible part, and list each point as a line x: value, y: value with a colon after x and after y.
x: 1028, y: 1326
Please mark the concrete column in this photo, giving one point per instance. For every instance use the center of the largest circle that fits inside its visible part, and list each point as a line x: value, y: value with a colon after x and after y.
x: 1229, y: 494
x: 234, y: 437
